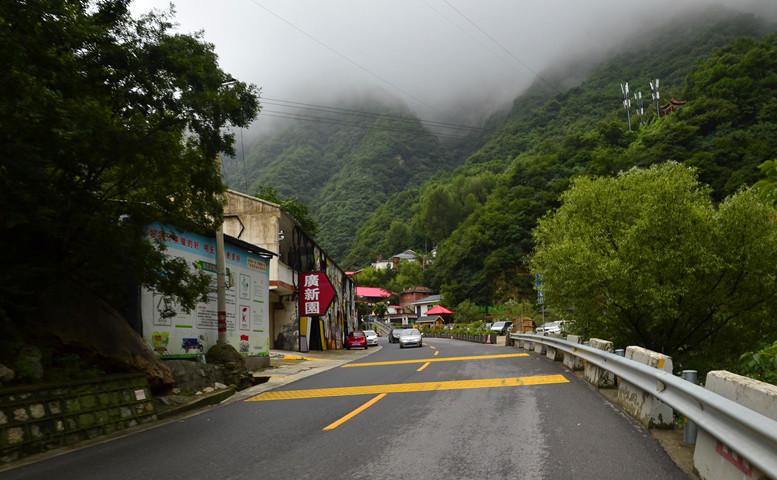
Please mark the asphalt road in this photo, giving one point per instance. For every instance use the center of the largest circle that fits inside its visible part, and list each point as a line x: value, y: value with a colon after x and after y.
x: 448, y: 410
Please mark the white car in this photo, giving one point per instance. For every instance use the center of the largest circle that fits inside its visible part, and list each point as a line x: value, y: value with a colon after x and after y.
x: 550, y: 328
x: 372, y: 337
x: 411, y: 336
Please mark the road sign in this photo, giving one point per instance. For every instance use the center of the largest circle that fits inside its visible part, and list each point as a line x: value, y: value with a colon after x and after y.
x: 315, y: 294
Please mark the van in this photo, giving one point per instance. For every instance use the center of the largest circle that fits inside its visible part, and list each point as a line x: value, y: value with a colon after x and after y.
x: 501, y: 328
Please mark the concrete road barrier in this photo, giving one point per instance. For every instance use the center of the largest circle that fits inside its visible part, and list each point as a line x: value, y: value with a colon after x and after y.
x: 712, y: 458
x: 570, y: 361
x: 640, y: 404
x: 595, y: 375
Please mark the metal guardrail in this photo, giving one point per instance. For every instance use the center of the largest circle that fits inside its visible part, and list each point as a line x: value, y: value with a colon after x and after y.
x: 749, y: 433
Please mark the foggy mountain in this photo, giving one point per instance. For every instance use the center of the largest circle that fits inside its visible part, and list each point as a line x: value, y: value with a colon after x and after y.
x: 365, y: 163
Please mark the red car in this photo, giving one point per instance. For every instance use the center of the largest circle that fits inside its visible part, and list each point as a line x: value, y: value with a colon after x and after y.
x: 356, y: 338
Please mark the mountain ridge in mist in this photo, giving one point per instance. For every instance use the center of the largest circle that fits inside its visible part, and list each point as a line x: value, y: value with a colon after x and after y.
x: 346, y: 165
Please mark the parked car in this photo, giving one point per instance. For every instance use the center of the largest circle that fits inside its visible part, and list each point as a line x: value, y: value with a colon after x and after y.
x: 500, y: 328
x: 356, y: 338
x: 394, y: 335
x: 411, y: 337
x: 372, y: 337
x: 550, y: 328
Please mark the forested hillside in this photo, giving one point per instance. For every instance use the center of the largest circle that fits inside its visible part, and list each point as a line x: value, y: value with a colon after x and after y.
x: 388, y: 184
x: 345, y: 164
x: 484, y: 212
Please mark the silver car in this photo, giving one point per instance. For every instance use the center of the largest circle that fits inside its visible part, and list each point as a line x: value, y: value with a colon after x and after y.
x: 372, y: 337
x: 395, y: 334
x: 411, y: 337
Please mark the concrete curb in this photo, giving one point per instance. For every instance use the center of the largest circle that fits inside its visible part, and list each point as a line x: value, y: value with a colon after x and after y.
x: 312, y: 364
x: 201, y: 401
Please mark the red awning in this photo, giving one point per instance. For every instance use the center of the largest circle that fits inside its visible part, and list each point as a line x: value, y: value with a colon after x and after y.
x: 438, y: 310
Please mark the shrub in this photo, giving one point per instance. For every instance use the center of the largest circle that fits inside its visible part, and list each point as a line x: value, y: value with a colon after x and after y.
x: 761, y: 365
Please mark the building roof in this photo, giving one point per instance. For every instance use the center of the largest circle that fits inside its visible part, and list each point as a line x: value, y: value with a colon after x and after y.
x: 431, y: 299
x: 372, y: 292
x: 438, y: 310
x: 418, y: 289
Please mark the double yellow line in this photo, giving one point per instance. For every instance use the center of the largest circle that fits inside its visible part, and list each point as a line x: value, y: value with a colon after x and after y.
x: 382, y: 390
x: 408, y: 387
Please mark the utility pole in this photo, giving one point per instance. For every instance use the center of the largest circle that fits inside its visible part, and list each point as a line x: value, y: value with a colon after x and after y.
x: 656, y: 96
x: 626, y: 102
x: 221, y: 266
x: 640, y: 110
x: 221, y: 280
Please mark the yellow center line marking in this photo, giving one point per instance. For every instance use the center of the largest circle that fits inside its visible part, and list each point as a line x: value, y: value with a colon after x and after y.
x: 423, y: 366
x: 409, y: 387
x: 354, y: 413
x: 451, y: 359
x: 436, y: 353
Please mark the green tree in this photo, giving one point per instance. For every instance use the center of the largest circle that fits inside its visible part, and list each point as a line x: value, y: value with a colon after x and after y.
x: 467, y: 311
x: 524, y: 308
x: 397, y: 237
x: 380, y: 309
x: 375, y: 277
x: 645, y: 258
x: 293, y: 206
x: 107, y: 123
x: 767, y: 186
x: 408, y: 274
x: 438, y: 213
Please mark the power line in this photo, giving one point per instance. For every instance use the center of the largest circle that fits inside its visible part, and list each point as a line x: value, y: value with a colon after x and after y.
x: 371, y: 115
x: 527, y: 67
x: 465, y: 32
x: 353, y: 62
x: 331, y: 121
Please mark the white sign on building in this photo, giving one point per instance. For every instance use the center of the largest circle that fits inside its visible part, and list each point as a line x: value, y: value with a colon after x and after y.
x: 189, y: 334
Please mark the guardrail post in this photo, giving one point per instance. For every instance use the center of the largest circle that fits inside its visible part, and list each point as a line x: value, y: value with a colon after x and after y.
x: 621, y: 352
x: 689, y: 428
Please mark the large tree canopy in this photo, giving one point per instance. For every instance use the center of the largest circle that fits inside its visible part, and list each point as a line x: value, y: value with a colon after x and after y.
x: 107, y: 123
x: 646, y: 258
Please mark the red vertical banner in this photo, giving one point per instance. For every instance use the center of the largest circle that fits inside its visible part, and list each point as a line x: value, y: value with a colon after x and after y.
x: 315, y: 294
x: 222, y: 321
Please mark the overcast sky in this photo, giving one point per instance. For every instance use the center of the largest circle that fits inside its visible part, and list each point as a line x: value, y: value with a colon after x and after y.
x: 434, y: 54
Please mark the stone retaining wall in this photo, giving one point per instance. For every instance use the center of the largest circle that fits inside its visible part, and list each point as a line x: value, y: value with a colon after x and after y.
x: 34, y: 420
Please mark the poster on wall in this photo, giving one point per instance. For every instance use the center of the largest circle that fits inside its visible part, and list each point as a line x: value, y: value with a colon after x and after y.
x: 172, y: 333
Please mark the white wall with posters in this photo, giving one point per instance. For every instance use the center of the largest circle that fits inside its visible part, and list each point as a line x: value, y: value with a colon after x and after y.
x: 190, y: 334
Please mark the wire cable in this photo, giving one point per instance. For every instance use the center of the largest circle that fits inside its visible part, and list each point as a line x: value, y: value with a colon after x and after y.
x: 351, y: 61
x: 527, y: 67
x: 330, y: 121
x: 370, y: 115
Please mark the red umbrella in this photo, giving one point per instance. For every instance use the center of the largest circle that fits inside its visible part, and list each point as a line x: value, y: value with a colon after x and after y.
x: 438, y: 310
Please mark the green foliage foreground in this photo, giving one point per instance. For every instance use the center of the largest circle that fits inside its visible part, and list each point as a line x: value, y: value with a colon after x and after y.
x: 107, y: 123
x: 761, y: 364
x: 646, y: 258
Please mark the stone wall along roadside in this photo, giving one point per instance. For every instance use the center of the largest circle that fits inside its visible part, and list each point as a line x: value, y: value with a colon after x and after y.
x: 34, y: 420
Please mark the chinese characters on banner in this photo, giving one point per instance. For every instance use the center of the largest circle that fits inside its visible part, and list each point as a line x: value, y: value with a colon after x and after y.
x: 315, y: 293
